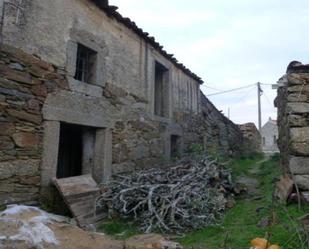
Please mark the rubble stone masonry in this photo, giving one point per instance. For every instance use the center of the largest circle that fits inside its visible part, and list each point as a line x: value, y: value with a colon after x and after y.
x: 134, y: 107
x: 25, y: 82
x: 293, y: 122
x: 35, y: 97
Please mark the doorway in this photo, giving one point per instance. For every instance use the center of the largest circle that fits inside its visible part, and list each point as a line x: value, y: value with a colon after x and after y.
x: 70, y: 151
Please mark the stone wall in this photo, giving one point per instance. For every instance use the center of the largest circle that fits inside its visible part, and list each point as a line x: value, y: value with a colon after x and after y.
x: 221, y: 136
x: 293, y: 120
x: 36, y: 98
x: 252, y: 138
x: 25, y: 82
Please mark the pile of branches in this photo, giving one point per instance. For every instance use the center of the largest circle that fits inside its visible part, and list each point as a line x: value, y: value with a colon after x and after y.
x: 189, y: 195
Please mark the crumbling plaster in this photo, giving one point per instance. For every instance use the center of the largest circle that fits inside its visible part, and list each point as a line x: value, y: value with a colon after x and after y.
x: 125, y: 59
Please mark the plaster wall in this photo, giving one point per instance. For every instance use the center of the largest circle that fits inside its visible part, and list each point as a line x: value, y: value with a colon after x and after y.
x: 51, y: 28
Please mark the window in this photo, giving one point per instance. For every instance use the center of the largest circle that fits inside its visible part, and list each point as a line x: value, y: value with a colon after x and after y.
x: 264, y: 142
x: 161, y: 91
x: 275, y: 139
x: 85, y: 64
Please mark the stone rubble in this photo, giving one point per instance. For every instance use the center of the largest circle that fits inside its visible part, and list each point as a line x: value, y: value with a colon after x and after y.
x: 25, y: 227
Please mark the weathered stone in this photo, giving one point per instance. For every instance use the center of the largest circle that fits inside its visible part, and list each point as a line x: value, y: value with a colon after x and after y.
x: 111, y: 90
x: 296, y: 79
x: 16, y: 66
x: 34, y: 105
x: 39, y: 90
x: 37, y: 71
x: 300, y: 134
x: 284, y: 188
x: 298, y: 120
x: 26, y: 140
x: 140, y: 151
x: 45, y: 65
x: 19, y: 168
x: 63, y: 84
x: 298, y: 88
x: 32, y: 180
x: 6, y: 128
x: 140, y: 125
x: 22, y: 115
x: 18, y: 76
x: 2, y: 98
x: 123, y: 167
x: 81, y: 87
x: 299, y: 148
x: 299, y: 165
x: 302, y: 181
x: 6, y: 143
x: 14, y: 92
x: 297, y: 107
x: 295, y: 97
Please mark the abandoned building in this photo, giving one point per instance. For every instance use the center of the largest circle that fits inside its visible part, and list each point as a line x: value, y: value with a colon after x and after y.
x: 269, y: 133
x: 84, y: 91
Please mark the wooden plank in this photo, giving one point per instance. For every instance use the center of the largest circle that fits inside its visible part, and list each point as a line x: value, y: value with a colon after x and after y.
x: 76, y: 185
x: 79, y: 194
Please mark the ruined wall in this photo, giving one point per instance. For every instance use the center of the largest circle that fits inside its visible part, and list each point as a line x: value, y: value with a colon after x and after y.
x: 252, y: 138
x: 220, y: 135
x: 293, y: 121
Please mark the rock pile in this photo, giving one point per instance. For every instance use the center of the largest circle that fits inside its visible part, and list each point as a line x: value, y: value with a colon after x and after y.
x: 24, y: 227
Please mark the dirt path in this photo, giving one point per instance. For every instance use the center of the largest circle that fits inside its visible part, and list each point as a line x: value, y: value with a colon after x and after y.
x: 250, y: 180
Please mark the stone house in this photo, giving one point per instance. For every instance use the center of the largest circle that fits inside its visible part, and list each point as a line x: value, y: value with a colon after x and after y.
x: 83, y: 90
x: 269, y: 133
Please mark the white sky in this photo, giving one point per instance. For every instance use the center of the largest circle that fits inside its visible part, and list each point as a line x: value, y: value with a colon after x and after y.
x: 229, y: 43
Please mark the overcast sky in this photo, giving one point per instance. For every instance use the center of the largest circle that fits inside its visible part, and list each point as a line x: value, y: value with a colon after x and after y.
x: 229, y: 43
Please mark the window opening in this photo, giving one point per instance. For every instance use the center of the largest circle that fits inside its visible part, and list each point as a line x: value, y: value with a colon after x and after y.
x: 85, y: 64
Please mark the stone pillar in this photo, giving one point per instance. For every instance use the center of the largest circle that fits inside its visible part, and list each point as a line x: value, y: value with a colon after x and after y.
x: 50, y: 152
x: 88, y: 151
x: 102, y: 155
x: 293, y: 120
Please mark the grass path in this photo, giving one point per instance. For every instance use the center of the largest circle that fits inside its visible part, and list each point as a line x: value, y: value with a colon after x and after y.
x: 242, y: 223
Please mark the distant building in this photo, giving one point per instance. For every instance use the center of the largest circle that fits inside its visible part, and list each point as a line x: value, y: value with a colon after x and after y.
x: 269, y: 133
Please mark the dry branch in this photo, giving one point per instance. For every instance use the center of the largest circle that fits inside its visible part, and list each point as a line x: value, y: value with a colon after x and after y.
x: 190, y: 195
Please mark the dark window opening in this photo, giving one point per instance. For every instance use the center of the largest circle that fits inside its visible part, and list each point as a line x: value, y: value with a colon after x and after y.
x: 275, y: 139
x: 161, y: 90
x: 70, y: 151
x: 264, y: 142
x: 175, y: 146
x: 85, y: 64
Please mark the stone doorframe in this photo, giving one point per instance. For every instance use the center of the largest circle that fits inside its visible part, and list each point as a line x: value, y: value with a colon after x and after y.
x: 73, y: 108
x: 172, y: 129
x: 102, y: 159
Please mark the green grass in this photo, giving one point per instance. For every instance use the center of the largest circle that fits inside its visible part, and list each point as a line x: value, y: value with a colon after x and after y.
x: 240, y: 224
x: 121, y: 229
